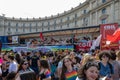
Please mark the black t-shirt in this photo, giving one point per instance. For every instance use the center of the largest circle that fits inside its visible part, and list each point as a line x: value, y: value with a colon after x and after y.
x: 4, y: 73
x: 34, y: 61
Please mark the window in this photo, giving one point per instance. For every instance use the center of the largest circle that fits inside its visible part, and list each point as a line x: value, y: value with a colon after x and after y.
x: 48, y: 28
x: 16, y: 27
x: 9, y: 24
x: 23, y: 27
x: 48, y: 23
x: 16, y: 24
x: 103, y: 10
x: 85, y: 20
x: 9, y: 29
x: 75, y: 23
x: 42, y: 24
x: 68, y: 18
x: 67, y: 24
x: 61, y: 26
x: 61, y: 20
x: 30, y: 27
x: 84, y: 11
x: 54, y: 27
x: 36, y: 27
x: 103, y: 21
x: 42, y: 29
x: 54, y: 24
x: 75, y: 16
x: 103, y: 1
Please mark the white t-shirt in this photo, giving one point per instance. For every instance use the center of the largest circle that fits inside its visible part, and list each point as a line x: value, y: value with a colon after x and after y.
x: 13, y: 67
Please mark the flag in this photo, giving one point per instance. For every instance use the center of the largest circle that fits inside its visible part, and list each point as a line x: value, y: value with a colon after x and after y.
x: 41, y: 36
x: 115, y: 37
x: 96, y: 42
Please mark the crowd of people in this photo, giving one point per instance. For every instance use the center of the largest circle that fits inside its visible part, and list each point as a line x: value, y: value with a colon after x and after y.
x: 60, y: 65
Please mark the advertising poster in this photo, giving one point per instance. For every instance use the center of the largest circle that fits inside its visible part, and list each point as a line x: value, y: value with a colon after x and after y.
x: 108, y: 29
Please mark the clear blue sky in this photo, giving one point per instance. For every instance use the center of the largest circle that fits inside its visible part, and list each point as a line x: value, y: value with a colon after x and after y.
x: 36, y: 8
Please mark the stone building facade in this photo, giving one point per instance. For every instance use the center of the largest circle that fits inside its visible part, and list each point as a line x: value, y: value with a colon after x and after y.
x: 89, y: 13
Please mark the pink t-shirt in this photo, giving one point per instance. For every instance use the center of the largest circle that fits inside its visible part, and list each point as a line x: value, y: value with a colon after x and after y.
x: 1, y: 61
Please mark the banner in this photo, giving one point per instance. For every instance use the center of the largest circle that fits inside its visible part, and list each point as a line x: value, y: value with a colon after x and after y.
x: 44, y: 48
x: 14, y: 39
x: 107, y: 29
x: 84, y: 45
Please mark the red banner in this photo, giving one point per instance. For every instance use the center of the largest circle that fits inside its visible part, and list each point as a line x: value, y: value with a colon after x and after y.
x: 107, y: 29
x: 84, y: 45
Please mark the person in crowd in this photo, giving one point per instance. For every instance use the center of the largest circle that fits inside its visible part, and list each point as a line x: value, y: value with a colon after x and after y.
x: 25, y: 70
x: 18, y: 58
x: 89, y: 71
x: 34, y: 63
x: 24, y: 67
x: 68, y: 72
x: 11, y: 76
x: 118, y: 56
x: 4, y: 70
x: 106, y: 68
x: 116, y: 66
x: 45, y: 73
x: 85, y: 58
x: 76, y: 63
x: 13, y: 67
x: 5, y: 65
x: 1, y: 60
x: 0, y: 73
x: 59, y: 66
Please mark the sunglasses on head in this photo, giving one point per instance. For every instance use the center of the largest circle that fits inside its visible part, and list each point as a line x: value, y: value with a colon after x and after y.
x: 104, y: 56
x: 89, y: 64
x: 25, y: 63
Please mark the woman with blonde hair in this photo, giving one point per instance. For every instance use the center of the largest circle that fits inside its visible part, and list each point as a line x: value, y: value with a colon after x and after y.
x: 85, y: 58
x: 118, y: 56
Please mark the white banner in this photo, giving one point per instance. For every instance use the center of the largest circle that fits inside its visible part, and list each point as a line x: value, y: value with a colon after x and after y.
x: 14, y: 39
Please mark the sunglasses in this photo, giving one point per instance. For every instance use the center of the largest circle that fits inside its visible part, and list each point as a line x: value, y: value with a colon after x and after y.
x: 25, y: 63
x: 89, y: 64
x: 104, y: 56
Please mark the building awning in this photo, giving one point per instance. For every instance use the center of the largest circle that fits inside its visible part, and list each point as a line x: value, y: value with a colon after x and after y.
x: 63, y: 32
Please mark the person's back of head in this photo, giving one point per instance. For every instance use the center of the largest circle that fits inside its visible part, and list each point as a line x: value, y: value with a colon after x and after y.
x: 28, y: 76
x: 11, y: 76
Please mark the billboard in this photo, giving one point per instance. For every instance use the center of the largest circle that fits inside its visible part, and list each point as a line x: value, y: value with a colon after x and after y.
x: 108, y: 29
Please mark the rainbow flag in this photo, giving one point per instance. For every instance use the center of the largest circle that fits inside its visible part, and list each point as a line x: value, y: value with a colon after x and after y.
x: 48, y: 73
x: 71, y: 75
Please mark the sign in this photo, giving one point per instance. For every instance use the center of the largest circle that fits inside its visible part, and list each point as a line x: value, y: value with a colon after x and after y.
x: 107, y: 29
x: 14, y: 39
x: 84, y: 45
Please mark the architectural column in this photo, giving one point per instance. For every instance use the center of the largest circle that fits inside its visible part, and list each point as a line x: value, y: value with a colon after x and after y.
x: 90, y: 5
x: 96, y: 18
x: 112, y: 12
x: 90, y: 19
x: 2, y: 25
